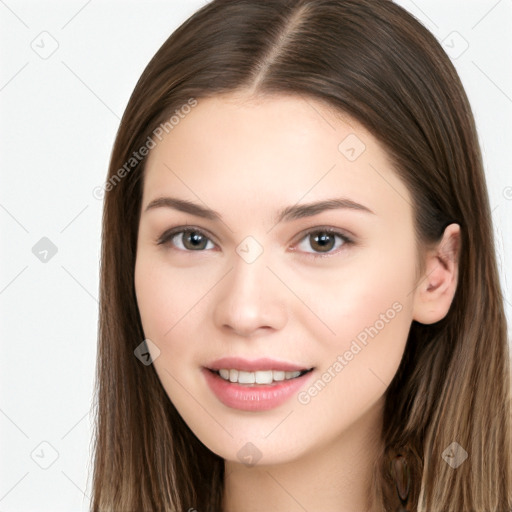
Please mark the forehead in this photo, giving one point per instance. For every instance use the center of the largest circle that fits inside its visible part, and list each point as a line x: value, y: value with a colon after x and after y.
x: 271, y: 151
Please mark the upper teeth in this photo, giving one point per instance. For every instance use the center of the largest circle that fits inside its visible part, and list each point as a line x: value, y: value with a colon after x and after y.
x: 258, y: 377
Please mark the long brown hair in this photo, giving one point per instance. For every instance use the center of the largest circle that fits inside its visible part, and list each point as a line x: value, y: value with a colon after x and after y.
x: 375, y: 62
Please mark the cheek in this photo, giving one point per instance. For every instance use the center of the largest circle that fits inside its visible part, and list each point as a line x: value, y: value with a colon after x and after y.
x: 153, y: 298
x: 383, y: 314
x: 171, y: 304
x: 164, y: 295
x: 365, y: 308
x: 343, y: 300
x: 370, y: 312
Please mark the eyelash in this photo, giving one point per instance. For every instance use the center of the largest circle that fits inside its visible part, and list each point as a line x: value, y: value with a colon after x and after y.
x: 168, y: 235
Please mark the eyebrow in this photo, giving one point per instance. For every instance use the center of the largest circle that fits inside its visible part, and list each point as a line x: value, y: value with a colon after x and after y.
x: 287, y: 214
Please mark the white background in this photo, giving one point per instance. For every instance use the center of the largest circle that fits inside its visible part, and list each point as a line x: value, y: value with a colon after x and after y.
x: 58, y: 119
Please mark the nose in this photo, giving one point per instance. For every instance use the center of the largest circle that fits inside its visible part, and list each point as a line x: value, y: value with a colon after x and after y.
x: 251, y: 299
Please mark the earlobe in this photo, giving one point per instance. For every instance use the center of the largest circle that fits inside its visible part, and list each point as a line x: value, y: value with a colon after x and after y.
x: 436, y: 289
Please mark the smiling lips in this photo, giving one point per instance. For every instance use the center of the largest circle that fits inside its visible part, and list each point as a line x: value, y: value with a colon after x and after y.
x: 257, y: 371
x: 256, y: 385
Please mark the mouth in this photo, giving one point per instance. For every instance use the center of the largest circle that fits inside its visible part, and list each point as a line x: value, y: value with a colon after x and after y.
x: 256, y: 390
x: 258, y: 377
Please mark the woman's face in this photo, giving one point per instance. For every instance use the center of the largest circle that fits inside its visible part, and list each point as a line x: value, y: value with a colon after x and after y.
x: 261, y: 277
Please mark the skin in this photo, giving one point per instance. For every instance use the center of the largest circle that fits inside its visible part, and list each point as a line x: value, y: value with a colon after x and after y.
x: 247, y: 159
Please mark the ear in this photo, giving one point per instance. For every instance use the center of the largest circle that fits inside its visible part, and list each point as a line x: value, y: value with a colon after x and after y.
x: 434, y: 294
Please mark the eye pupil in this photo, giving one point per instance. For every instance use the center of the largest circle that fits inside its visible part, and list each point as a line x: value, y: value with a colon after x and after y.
x: 323, y: 241
x: 196, y: 240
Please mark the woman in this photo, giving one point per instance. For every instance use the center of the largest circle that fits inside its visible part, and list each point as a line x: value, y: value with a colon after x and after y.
x: 300, y: 304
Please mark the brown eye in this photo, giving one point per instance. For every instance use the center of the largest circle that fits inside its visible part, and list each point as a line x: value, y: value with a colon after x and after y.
x: 323, y: 241
x: 194, y: 240
x: 186, y: 240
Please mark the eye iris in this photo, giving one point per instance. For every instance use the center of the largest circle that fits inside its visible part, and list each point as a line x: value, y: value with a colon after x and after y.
x: 198, y: 240
x: 322, y: 239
